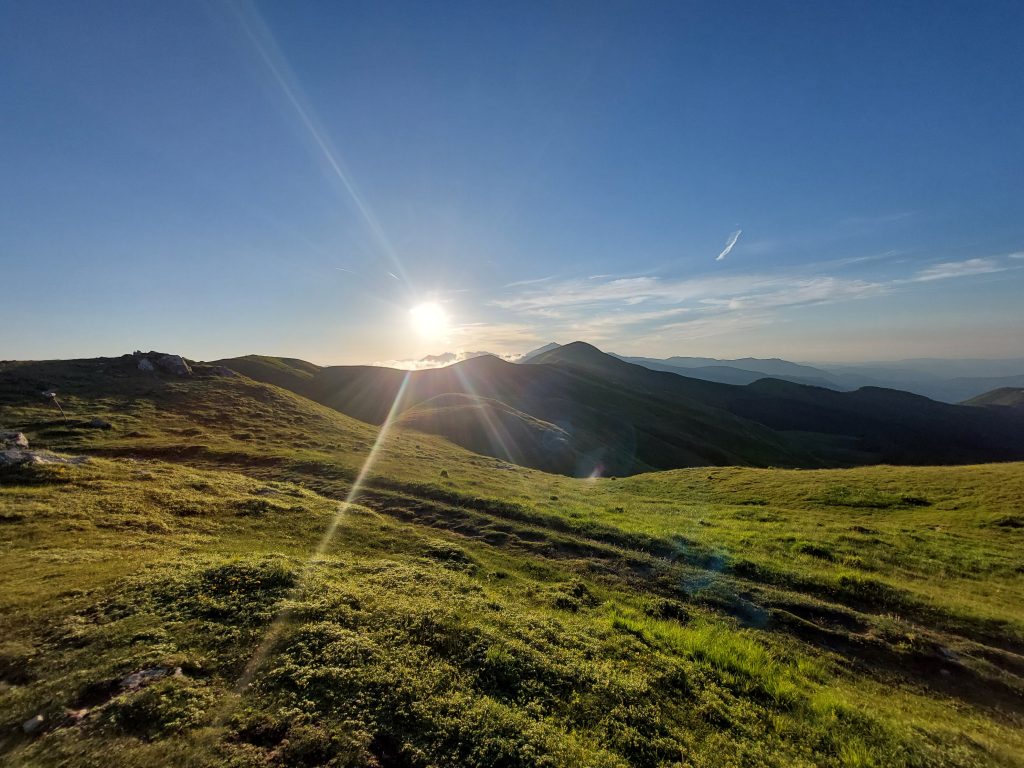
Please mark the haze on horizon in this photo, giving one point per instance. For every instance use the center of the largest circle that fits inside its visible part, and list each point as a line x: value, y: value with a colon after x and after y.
x: 358, y: 182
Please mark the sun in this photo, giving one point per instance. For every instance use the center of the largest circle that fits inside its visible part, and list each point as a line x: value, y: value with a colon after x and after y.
x: 429, y: 319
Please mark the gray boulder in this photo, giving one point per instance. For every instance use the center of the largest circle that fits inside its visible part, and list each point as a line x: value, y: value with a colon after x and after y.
x: 174, y: 364
x: 12, y: 457
x: 98, y: 423
x: 145, y: 364
x: 222, y: 370
x: 34, y: 725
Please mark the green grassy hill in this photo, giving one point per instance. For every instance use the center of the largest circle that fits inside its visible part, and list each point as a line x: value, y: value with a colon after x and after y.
x: 286, y: 372
x: 207, y: 589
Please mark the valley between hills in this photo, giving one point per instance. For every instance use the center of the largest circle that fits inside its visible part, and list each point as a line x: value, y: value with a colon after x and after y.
x: 573, y: 560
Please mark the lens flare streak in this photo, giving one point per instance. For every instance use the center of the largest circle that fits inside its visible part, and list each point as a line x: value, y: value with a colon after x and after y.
x: 280, y: 621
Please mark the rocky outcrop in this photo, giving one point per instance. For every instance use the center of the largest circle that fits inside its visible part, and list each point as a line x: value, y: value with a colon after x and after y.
x: 14, y: 451
x: 13, y: 440
x: 151, y: 362
x: 174, y: 364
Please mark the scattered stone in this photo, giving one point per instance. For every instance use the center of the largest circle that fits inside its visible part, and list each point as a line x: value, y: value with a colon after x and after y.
x: 145, y: 364
x: 266, y: 492
x: 75, y: 716
x: 98, y: 423
x: 136, y: 680
x: 13, y: 440
x: 14, y: 457
x: 223, y: 370
x: 174, y: 364
x: 47, y: 457
x: 33, y: 725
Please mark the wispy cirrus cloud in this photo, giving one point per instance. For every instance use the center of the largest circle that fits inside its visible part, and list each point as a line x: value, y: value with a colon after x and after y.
x: 776, y: 290
x: 618, y: 309
x: 533, y: 281
x: 622, y: 309
x: 729, y: 244
x: 965, y: 268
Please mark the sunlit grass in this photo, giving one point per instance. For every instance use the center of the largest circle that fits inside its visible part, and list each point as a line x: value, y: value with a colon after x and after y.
x: 473, y: 609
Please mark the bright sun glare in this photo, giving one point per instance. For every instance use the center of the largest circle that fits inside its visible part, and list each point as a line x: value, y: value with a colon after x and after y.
x: 429, y: 319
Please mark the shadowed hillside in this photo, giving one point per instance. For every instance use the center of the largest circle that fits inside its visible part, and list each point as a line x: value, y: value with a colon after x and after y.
x: 492, y: 428
x: 619, y: 429
x: 622, y: 418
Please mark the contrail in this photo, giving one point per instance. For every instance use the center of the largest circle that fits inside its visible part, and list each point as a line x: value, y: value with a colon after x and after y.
x: 729, y: 244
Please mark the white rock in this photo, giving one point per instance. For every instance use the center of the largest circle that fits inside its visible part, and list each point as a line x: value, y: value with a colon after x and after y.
x: 13, y: 440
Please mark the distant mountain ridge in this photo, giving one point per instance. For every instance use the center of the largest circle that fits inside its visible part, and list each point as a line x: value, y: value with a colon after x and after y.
x: 577, y: 410
x: 949, y: 381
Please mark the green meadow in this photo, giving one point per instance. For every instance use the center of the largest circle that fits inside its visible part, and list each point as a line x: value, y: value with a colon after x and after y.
x: 208, y: 590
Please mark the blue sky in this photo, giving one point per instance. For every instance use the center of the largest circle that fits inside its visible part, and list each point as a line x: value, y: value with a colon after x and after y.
x: 218, y: 178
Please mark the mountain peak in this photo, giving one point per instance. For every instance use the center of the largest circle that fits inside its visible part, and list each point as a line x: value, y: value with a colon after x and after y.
x: 577, y: 353
x: 527, y: 357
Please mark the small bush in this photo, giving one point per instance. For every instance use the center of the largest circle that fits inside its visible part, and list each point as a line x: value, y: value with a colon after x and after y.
x: 814, y: 550
x: 171, y: 705
x: 573, y: 597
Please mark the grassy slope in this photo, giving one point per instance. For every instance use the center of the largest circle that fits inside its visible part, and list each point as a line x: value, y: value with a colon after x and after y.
x: 493, y: 615
x: 491, y: 428
x: 1012, y: 397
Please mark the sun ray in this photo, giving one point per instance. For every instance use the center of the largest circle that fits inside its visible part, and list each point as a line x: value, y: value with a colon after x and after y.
x: 280, y: 621
x: 263, y: 41
x: 493, y: 429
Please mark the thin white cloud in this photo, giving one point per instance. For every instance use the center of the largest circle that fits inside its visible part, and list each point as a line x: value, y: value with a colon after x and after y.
x: 533, y: 281
x: 1017, y: 255
x: 729, y: 244
x: 951, y: 269
x: 564, y: 298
